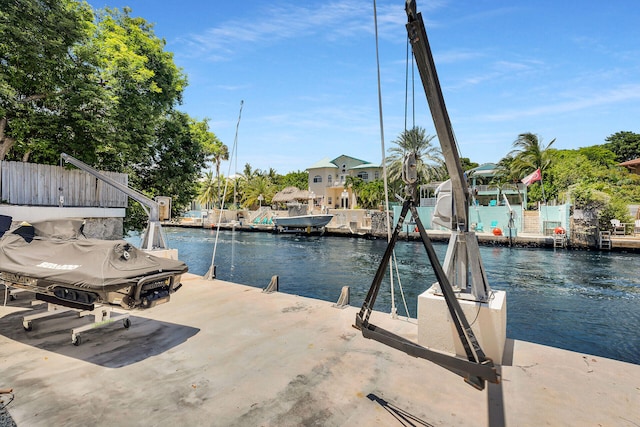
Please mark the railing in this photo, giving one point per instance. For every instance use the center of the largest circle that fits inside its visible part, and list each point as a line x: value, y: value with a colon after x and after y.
x: 505, y: 188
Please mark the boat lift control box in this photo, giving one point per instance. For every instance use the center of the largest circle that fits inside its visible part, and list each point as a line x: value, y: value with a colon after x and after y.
x: 488, y: 321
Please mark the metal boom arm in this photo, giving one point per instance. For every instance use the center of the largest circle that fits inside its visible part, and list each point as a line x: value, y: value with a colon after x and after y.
x: 152, y: 237
x: 426, y: 67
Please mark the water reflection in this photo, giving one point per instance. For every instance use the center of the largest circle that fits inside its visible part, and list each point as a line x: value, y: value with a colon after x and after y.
x: 579, y: 300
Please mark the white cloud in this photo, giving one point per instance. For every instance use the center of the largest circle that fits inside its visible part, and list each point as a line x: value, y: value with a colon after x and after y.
x: 580, y: 102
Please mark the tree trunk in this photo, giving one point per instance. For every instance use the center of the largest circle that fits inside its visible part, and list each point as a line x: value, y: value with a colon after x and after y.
x: 6, y: 142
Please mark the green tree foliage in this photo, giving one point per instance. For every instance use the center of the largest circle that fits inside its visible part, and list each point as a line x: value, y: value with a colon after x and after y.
x: 215, y: 152
x: 208, y: 193
x: 141, y: 77
x: 51, y: 99
x: 529, y: 154
x: 299, y: 179
x: 355, y: 184
x: 371, y: 195
x: 594, y: 168
x: 467, y: 164
x: 101, y: 88
x: 625, y: 145
x: 607, y: 207
x: 256, y: 186
x: 177, y: 158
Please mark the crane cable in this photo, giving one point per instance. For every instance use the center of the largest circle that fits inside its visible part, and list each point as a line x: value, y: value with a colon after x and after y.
x: 211, y: 273
x: 384, y: 170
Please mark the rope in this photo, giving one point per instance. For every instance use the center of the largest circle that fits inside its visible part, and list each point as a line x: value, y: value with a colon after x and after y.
x: 404, y: 301
x: 384, y: 160
x: 210, y: 274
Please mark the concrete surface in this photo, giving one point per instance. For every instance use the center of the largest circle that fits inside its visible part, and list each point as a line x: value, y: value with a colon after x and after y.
x: 223, y: 354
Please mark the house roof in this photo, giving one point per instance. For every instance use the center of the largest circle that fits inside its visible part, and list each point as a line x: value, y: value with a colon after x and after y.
x: 324, y: 163
x: 289, y: 194
x: 366, y: 166
x: 485, y: 169
x: 343, y: 156
x: 634, y: 162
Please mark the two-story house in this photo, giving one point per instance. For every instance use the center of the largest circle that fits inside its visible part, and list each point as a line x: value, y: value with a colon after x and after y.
x: 327, y: 180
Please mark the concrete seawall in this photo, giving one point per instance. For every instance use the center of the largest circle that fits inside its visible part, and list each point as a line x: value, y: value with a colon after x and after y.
x: 226, y: 354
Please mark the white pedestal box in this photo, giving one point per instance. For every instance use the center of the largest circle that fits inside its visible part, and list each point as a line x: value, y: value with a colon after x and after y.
x: 488, y: 322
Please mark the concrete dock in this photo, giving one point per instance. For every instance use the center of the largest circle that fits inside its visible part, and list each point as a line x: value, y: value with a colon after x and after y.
x: 223, y: 354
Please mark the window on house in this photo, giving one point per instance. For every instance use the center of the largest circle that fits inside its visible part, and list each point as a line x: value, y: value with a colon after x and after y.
x: 376, y: 175
x: 329, y: 178
x: 363, y: 175
x: 317, y: 178
x: 329, y: 201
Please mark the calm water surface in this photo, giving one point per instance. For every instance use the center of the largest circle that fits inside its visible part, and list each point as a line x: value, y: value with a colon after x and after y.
x: 585, y: 301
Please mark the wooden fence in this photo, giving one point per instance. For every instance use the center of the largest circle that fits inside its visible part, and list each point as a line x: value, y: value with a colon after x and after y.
x: 46, y: 185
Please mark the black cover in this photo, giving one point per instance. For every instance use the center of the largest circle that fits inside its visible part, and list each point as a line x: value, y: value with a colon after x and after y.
x: 56, y: 252
x: 5, y: 224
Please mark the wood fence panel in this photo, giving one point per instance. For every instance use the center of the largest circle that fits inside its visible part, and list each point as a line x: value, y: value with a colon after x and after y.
x: 42, y: 185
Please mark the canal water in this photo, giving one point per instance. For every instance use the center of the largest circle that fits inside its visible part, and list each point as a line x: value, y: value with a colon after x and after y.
x: 584, y: 301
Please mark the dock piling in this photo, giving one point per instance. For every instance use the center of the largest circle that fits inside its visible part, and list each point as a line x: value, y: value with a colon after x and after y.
x: 273, y: 286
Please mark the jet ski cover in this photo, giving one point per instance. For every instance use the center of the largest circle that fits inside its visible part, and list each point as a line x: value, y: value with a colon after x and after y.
x: 57, y: 252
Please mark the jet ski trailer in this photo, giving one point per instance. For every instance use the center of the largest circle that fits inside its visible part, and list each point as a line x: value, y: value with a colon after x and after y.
x: 54, y: 260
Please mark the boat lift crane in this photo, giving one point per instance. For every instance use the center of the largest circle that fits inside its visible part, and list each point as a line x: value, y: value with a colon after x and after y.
x: 152, y: 236
x: 462, y: 274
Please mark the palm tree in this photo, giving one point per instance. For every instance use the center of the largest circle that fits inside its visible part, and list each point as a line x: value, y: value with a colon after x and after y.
x: 215, y: 151
x: 207, y: 190
x: 219, y: 152
x: 529, y: 154
x: 356, y: 184
x: 429, y: 157
x: 256, y: 186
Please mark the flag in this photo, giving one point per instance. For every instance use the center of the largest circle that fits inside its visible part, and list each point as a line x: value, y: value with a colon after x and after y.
x: 530, y: 179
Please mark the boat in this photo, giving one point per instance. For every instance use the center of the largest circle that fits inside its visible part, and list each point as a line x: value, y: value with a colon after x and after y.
x: 303, y: 221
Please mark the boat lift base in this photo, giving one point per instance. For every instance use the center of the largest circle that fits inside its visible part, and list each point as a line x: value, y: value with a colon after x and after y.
x: 103, y: 315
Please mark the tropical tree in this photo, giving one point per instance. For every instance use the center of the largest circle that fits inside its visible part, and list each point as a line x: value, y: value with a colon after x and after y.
x: 371, y: 194
x: 429, y: 158
x: 299, y: 179
x: 626, y: 145
x: 51, y: 99
x: 208, y: 190
x: 529, y: 154
x: 215, y: 150
x: 356, y: 184
x: 143, y: 79
x: 175, y: 162
x: 258, y: 185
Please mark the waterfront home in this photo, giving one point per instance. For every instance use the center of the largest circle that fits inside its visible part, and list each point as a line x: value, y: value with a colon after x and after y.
x: 327, y: 180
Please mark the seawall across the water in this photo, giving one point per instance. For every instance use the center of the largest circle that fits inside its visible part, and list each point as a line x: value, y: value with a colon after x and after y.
x: 627, y: 243
x: 226, y: 354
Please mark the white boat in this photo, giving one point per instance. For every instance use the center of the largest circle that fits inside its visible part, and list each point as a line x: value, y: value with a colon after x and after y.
x: 303, y: 221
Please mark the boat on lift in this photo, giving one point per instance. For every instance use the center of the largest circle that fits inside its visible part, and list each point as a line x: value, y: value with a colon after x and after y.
x: 303, y: 221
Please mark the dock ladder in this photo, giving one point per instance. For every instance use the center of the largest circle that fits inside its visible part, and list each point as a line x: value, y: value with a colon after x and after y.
x: 604, y: 240
x: 560, y: 240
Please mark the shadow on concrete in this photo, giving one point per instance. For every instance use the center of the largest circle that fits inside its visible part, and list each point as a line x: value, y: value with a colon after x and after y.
x: 403, y: 417
x: 111, y: 346
x: 495, y: 403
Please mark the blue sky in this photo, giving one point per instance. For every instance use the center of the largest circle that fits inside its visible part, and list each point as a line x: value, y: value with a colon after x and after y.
x: 306, y: 71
